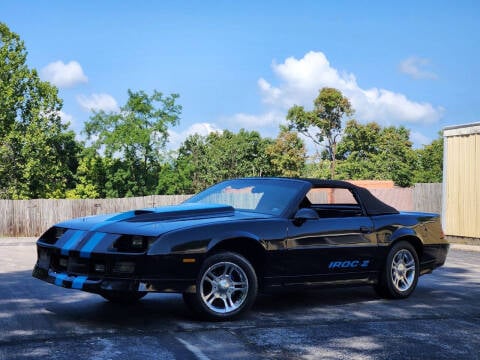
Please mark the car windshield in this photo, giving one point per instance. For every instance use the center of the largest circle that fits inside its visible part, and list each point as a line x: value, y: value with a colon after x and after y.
x: 269, y: 196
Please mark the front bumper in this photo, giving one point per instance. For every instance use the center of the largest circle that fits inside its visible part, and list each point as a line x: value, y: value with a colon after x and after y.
x: 136, y: 272
x: 105, y: 284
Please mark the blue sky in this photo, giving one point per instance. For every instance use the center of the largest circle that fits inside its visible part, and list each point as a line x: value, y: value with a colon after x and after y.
x: 242, y: 64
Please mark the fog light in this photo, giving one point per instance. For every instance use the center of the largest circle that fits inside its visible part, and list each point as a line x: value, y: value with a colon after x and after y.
x: 99, y: 267
x: 63, y: 262
x: 127, y: 267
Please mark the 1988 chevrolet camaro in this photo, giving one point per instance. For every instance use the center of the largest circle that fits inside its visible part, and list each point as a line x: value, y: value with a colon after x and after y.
x: 227, y: 243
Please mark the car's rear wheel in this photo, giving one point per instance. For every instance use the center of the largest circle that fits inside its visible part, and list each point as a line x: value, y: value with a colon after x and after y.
x: 400, y: 274
x: 123, y: 297
x: 226, y: 287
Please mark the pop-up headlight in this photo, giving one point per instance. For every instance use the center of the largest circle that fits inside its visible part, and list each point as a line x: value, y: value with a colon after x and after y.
x: 133, y: 243
x: 52, y: 235
x: 137, y: 242
x: 59, y: 232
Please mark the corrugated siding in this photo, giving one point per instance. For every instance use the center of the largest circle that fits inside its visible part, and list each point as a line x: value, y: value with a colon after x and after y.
x: 462, y: 185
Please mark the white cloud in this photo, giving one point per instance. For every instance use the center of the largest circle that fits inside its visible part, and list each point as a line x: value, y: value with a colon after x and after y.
x: 64, y: 75
x: 252, y: 121
x: 301, y: 79
x: 66, y: 118
x: 97, y: 102
x: 175, y: 139
x: 415, y: 67
x: 419, y: 139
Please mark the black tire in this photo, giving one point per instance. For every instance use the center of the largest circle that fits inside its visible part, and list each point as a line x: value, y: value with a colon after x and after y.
x: 399, y: 277
x: 123, y: 297
x: 226, y: 287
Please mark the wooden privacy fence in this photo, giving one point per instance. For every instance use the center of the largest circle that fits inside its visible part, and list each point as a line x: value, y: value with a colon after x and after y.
x: 33, y: 217
x: 428, y: 197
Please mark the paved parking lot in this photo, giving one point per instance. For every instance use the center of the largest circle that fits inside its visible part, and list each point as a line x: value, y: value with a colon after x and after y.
x: 441, y: 320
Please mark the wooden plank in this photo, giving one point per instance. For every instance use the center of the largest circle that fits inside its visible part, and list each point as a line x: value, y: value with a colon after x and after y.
x: 33, y: 217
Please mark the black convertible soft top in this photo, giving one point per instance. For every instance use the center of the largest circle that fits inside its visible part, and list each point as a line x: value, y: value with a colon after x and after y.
x: 371, y: 204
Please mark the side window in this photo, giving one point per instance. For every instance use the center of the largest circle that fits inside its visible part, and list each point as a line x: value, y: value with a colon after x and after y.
x: 322, y: 196
x: 333, y: 202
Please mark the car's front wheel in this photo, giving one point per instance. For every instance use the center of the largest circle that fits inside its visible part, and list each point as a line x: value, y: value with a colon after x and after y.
x: 226, y: 287
x: 400, y: 274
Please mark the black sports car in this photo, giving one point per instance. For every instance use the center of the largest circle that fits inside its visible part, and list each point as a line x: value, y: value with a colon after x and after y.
x: 227, y: 243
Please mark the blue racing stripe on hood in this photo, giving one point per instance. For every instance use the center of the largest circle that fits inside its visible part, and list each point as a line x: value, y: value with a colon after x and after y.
x: 154, y: 221
x: 92, y: 223
x: 72, y: 242
x: 91, y: 243
x: 122, y: 216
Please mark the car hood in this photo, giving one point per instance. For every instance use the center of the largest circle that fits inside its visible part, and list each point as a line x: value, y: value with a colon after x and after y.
x: 156, y: 221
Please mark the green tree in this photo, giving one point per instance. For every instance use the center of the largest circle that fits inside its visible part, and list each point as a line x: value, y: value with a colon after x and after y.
x: 91, y: 176
x: 37, y: 152
x: 372, y: 152
x: 358, y: 151
x: 430, y: 162
x: 133, y: 142
x: 241, y: 154
x: 323, y: 124
x: 287, y: 154
x: 316, y: 171
x: 396, y: 159
x: 205, y: 160
x: 184, y: 174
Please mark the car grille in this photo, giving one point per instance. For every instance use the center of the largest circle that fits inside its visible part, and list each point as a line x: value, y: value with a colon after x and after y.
x: 71, y: 265
x: 93, y: 268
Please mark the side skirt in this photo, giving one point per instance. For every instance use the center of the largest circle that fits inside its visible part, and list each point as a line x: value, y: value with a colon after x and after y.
x: 305, y: 282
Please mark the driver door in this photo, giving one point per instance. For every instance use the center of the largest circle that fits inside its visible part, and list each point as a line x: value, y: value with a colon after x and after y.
x: 337, y: 245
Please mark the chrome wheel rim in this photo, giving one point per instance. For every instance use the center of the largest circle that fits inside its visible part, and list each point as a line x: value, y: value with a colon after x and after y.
x: 403, y: 270
x: 224, y: 287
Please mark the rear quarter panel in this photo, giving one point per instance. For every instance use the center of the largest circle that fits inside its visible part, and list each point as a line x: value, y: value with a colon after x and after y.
x: 423, y: 230
x: 425, y: 226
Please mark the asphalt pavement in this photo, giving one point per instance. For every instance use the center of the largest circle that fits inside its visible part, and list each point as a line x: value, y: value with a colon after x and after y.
x: 441, y: 320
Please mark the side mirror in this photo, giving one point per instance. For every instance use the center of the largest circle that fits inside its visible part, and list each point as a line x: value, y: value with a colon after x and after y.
x: 304, y: 214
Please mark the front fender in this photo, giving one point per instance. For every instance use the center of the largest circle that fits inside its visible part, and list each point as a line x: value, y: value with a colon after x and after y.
x: 233, y: 235
x: 201, y: 239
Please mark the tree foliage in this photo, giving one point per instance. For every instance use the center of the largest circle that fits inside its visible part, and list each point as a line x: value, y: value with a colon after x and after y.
x: 37, y: 152
x: 204, y: 160
x: 373, y: 152
x: 430, y: 162
x: 91, y: 176
x: 323, y: 124
x: 132, y: 142
x: 287, y: 154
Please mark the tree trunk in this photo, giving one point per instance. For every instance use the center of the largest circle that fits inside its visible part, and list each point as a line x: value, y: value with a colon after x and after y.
x: 332, y: 163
